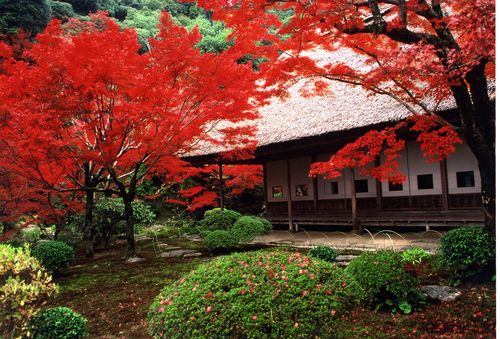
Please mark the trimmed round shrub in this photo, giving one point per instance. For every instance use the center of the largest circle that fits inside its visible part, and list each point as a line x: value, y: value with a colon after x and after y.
x: 259, y: 294
x: 218, y: 219
x: 324, y: 253
x: 466, y: 251
x: 58, y: 322
x: 268, y: 227
x: 246, y: 228
x: 54, y: 255
x: 24, y: 285
x: 384, y: 281
x: 219, y: 239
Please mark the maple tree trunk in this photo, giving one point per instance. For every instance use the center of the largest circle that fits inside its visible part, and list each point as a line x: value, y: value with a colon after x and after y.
x: 129, y: 217
x: 88, y: 229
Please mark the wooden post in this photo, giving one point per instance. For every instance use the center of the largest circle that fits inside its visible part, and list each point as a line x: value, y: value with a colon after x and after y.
x: 221, y: 187
x: 444, y: 183
x: 315, y: 187
x: 354, y: 208
x: 266, y: 199
x: 289, y: 189
x: 378, y: 188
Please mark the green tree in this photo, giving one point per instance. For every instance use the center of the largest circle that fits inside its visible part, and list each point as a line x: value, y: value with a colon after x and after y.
x: 62, y: 10
x: 30, y: 15
x: 145, y: 22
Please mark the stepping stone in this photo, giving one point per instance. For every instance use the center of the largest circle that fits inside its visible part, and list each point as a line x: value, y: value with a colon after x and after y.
x: 133, y: 260
x: 193, y: 255
x: 176, y: 253
x: 345, y: 258
x: 441, y: 293
x: 193, y: 237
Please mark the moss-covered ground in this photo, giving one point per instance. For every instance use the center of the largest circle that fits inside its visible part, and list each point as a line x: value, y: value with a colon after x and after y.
x: 115, y: 296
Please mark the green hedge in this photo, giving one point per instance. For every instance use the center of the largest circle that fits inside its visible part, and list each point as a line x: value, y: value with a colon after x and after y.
x: 466, y: 251
x: 217, y: 219
x: 54, y: 255
x: 259, y: 294
x: 324, y: 253
x: 384, y: 281
x: 60, y: 323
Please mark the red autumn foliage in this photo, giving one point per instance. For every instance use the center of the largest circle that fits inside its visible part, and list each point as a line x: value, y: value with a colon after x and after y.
x: 426, y: 55
x: 89, y: 109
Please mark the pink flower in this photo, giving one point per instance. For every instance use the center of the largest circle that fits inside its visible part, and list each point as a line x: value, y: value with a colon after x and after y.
x: 230, y: 269
x: 254, y: 317
x: 304, y: 293
x: 193, y: 318
x: 332, y: 312
x: 209, y: 309
x: 161, y: 310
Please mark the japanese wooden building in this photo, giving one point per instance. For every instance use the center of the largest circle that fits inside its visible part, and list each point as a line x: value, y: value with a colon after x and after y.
x: 296, y: 132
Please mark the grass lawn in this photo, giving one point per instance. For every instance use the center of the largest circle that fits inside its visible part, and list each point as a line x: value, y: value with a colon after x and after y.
x: 115, y: 296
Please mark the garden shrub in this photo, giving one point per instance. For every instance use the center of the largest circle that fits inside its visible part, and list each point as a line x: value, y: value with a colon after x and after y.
x: 219, y: 239
x: 246, y: 228
x: 217, y: 219
x: 54, y: 255
x: 268, y: 227
x: 466, y: 251
x: 414, y: 256
x: 109, y: 217
x: 24, y: 284
x: 384, y: 281
x: 324, y: 253
x: 258, y: 294
x: 58, y: 322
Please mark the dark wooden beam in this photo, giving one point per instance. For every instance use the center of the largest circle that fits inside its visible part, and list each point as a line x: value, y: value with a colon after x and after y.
x: 354, y: 209
x: 289, y: 189
x: 315, y: 185
x: 266, y: 199
x: 221, y: 186
x: 378, y: 188
x: 444, y: 183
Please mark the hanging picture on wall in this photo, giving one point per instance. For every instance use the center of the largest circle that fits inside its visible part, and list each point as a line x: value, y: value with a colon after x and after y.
x: 301, y: 190
x: 278, y: 192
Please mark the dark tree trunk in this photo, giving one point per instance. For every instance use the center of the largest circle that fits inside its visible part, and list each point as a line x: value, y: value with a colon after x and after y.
x: 89, y: 224
x: 129, y: 217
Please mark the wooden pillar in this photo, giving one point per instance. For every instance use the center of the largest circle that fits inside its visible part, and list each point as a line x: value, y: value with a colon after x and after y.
x: 378, y: 188
x: 354, y: 208
x: 289, y: 190
x: 221, y: 187
x: 444, y: 183
x: 266, y: 199
x: 315, y: 186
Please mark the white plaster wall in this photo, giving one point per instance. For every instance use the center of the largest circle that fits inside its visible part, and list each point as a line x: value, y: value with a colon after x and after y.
x: 276, y: 176
x: 299, y: 175
x: 460, y: 161
x: 403, y: 168
x: 419, y: 165
x: 372, y: 186
x: 324, y: 187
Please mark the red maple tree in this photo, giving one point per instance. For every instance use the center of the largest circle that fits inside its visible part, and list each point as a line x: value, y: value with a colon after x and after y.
x: 91, y: 113
x: 425, y: 54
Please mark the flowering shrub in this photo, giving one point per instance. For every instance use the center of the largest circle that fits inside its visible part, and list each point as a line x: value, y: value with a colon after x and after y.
x: 58, y: 322
x: 385, y: 281
x: 54, y: 255
x: 217, y: 219
x: 244, y: 230
x: 24, y: 284
x: 253, y: 295
x: 324, y: 253
x: 466, y: 251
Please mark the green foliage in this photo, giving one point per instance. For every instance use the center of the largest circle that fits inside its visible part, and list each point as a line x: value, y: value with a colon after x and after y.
x: 217, y: 219
x: 54, y: 255
x: 466, y: 251
x: 261, y: 294
x: 109, y: 216
x: 384, y: 281
x: 30, y: 15
x: 62, y: 10
x: 219, y: 239
x: 246, y: 228
x: 414, y: 256
x: 31, y: 235
x: 268, y: 227
x: 58, y: 322
x: 324, y: 253
x: 145, y: 22
x: 83, y: 7
x: 24, y: 285
x: 214, y: 33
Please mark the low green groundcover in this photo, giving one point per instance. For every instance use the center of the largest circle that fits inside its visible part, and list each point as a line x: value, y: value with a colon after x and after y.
x: 256, y: 295
x: 58, y: 322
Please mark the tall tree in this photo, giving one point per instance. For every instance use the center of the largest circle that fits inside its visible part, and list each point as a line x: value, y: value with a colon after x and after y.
x: 422, y: 53
x: 29, y: 15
